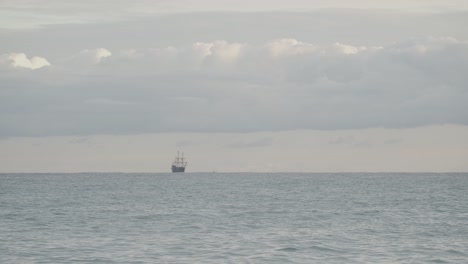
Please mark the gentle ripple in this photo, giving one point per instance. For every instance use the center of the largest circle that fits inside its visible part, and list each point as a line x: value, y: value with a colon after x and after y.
x: 234, y: 218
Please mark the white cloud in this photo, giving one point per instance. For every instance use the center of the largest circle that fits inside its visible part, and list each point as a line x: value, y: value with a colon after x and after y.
x: 220, y: 50
x: 289, y: 47
x: 100, y: 54
x: 428, y: 45
x: 20, y: 60
x: 84, y: 59
x: 348, y: 49
x: 95, y: 56
x: 227, y: 52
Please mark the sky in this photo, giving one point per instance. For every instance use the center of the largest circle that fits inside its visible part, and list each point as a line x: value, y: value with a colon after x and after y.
x: 261, y: 86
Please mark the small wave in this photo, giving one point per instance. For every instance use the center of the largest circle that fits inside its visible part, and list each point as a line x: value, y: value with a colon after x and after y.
x: 438, y: 261
x: 288, y: 249
x: 325, y: 249
x: 456, y: 252
x: 10, y: 216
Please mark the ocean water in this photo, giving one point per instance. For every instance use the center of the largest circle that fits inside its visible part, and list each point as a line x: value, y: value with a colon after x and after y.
x: 234, y: 218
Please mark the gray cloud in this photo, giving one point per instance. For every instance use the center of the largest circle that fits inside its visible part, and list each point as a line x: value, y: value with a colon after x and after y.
x: 56, y: 11
x: 235, y: 72
x: 358, y: 27
x: 222, y: 86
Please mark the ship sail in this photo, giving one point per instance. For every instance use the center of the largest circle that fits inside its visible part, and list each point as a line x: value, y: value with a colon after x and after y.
x: 179, y: 163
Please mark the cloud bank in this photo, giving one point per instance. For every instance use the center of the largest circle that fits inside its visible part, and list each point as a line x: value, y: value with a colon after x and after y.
x: 228, y: 86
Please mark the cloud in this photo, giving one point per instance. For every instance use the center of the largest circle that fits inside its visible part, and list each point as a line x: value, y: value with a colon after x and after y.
x: 348, y: 49
x: 222, y: 86
x: 128, y: 53
x: 94, y: 56
x: 48, y: 12
x: 97, y: 55
x: 220, y: 50
x: 356, y: 27
x: 20, y: 60
x: 289, y: 47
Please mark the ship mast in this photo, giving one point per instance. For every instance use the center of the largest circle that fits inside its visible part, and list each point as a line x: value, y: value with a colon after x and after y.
x: 182, y: 161
x: 179, y: 160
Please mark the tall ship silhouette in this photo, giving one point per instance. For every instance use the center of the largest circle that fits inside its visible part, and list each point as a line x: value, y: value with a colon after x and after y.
x: 179, y: 163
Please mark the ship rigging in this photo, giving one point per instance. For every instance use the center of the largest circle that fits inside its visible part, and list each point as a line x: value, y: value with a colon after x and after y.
x: 179, y: 163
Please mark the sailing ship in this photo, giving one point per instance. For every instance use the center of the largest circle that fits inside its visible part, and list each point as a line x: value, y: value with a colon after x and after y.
x: 179, y: 163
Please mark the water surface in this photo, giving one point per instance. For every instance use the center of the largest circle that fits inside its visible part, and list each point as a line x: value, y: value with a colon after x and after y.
x: 234, y: 218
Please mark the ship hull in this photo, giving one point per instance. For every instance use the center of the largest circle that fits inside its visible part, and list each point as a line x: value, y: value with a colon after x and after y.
x: 177, y: 169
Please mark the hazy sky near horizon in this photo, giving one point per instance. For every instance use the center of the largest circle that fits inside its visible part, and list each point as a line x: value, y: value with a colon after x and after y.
x: 253, y: 74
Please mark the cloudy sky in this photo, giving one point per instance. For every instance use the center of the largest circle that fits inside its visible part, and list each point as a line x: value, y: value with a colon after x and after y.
x: 321, y: 86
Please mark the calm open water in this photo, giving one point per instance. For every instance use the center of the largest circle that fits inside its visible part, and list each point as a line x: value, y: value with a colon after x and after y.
x: 234, y: 218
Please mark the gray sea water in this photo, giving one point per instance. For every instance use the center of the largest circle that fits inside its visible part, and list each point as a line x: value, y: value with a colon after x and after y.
x: 234, y: 218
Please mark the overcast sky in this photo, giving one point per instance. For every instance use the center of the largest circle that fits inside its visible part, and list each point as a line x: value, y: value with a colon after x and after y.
x: 271, y: 85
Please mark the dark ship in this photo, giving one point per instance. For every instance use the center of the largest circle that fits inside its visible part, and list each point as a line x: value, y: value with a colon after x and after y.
x: 179, y: 163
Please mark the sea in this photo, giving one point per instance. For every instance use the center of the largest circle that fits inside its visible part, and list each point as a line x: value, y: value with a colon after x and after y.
x: 234, y: 218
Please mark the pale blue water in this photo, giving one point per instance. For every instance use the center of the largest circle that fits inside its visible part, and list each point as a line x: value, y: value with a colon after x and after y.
x: 234, y: 218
